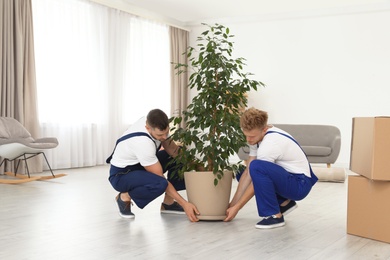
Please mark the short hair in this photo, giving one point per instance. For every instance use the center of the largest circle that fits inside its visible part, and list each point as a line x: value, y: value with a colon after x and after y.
x: 253, y: 118
x: 156, y: 118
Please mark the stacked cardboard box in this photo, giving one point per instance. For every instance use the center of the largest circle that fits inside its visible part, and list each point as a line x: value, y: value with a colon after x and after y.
x: 368, y: 213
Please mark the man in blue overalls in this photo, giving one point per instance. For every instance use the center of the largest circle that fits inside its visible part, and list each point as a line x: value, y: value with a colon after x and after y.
x: 138, y: 166
x: 278, y: 174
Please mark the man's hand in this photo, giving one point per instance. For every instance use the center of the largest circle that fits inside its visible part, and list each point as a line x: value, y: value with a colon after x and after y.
x: 191, y: 212
x: 231, y: 213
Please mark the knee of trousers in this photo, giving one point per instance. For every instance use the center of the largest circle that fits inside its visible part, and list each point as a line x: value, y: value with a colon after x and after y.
x: 144, y: 194
x: 159, y: 187
x: 260, y: 167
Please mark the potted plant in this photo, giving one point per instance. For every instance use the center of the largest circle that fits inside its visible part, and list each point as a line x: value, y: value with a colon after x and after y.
x: 211, y: 132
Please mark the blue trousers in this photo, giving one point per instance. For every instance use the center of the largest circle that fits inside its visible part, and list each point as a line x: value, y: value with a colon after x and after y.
x: 273, y: 185
x: 143, y: 186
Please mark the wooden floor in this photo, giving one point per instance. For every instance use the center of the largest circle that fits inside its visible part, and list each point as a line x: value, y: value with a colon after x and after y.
x: 76, y: 217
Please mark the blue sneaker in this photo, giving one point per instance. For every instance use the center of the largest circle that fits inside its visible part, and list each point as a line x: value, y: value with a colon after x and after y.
x: 271, y: 222
x: 291, y: 205
x: 124, y: 207
x: 174, y: 208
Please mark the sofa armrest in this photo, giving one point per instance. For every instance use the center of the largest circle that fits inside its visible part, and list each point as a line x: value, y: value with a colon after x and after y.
x: 335, y: 145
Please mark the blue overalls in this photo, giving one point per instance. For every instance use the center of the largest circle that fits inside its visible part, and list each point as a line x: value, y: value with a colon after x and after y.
x: 143, y: 186
x: 273, y: 184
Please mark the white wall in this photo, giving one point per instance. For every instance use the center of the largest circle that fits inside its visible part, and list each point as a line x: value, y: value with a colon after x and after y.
x: 318, y: 70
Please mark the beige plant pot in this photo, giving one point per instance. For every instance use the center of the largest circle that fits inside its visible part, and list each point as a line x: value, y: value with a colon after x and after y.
x: 211, y: 201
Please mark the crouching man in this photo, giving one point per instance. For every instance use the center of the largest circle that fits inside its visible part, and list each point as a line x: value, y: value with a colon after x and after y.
x: 278, y: 172
x: 138, y: 166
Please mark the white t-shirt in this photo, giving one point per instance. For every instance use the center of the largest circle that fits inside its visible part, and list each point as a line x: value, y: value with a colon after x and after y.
x: 137, y: 149
x: 281, y: 150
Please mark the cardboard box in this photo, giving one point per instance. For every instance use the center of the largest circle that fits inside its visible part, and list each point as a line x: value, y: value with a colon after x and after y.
x: 368, y: 208
x: 370, y: 147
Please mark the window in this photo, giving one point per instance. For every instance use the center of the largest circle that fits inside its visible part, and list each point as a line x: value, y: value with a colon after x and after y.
x: 98, y: 70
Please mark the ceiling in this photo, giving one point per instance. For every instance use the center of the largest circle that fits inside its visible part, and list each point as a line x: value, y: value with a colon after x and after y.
x: 189, y: 12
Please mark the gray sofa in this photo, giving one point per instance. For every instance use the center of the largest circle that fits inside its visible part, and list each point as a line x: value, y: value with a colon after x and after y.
x: 321, y: 143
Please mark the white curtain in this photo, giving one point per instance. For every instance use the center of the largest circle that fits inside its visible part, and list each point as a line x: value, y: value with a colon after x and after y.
x: 98, y: 70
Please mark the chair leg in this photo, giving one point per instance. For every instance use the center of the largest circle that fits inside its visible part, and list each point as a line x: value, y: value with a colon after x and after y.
x: 48, y: 165
x: 17, y: 165
x: 24, y: 178
x: 25, y: 162
x: 5, y: 159
x: 2, y: 163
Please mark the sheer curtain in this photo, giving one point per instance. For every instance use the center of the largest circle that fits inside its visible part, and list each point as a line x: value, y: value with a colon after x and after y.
x: 98, y: 70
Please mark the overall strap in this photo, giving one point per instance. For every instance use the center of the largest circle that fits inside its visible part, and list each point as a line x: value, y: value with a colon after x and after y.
x: 314, y: 178
x: 127, y: 137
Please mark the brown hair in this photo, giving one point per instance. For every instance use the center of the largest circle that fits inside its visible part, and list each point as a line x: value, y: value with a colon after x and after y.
x: 157, y: 119
x: 253, y: 118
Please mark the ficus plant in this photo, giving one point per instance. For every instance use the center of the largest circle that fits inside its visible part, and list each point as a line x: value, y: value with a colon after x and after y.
x: 212, y: 132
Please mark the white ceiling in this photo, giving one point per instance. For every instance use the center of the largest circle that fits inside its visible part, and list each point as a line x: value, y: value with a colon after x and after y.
x: 196, y: 11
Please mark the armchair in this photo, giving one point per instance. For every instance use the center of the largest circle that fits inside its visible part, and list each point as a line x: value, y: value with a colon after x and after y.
x: 16, y: 143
